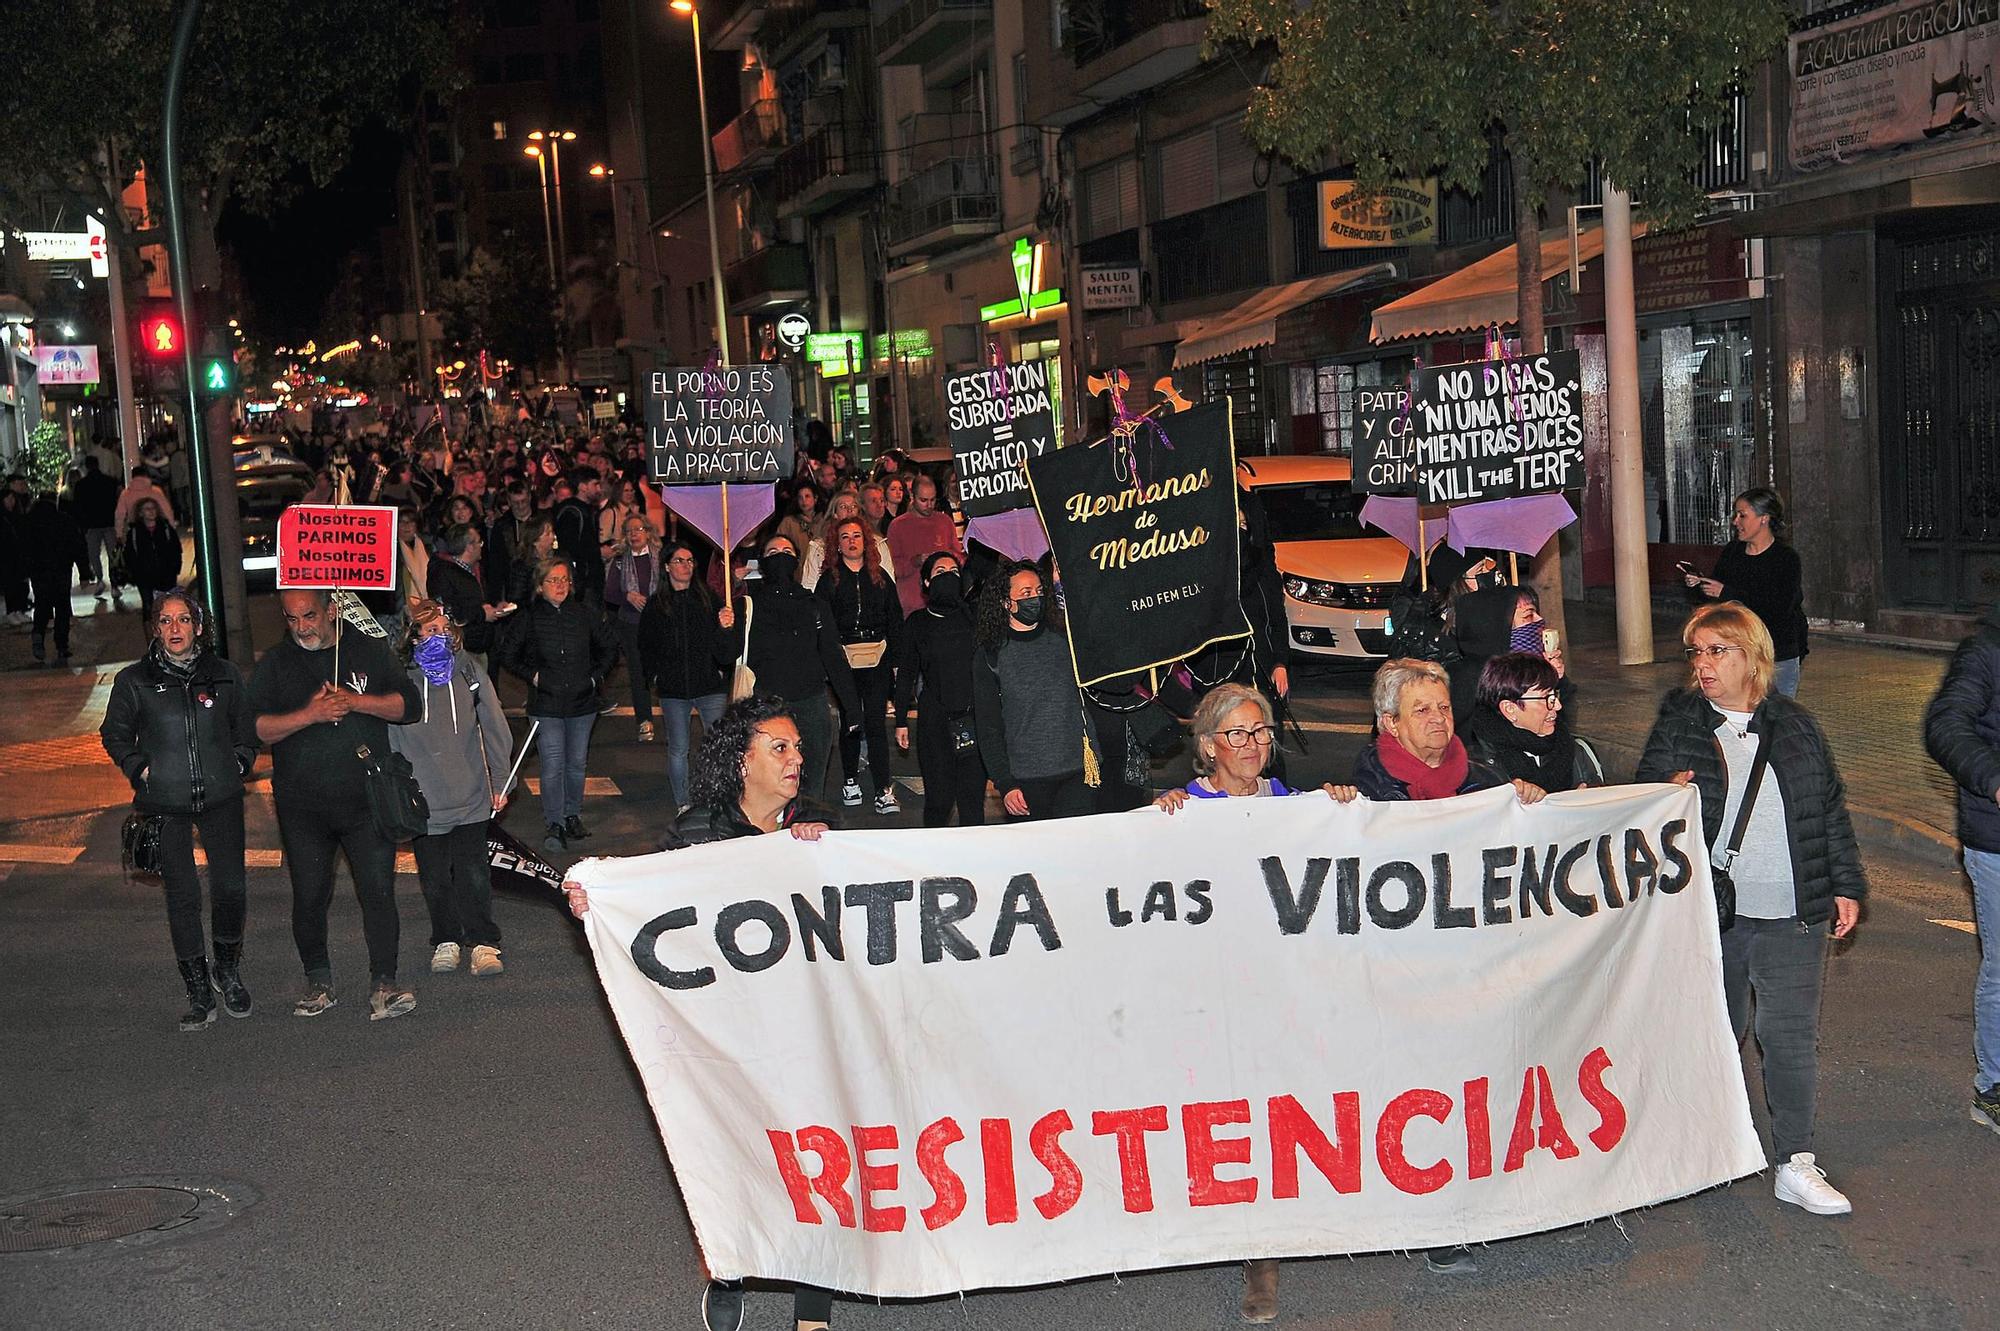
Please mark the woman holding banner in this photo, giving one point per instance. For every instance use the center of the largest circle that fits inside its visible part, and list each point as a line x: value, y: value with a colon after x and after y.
x: 1792, y: 859
x: 745, y: 783
x: 1516, y: 725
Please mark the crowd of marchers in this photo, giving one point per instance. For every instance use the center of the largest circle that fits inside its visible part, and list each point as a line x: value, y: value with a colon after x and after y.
x: 857, y: 621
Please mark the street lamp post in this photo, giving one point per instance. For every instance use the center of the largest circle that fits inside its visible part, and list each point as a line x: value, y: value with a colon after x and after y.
x: 534, y: 150
x: 689, y: 8
x: 556, y: 138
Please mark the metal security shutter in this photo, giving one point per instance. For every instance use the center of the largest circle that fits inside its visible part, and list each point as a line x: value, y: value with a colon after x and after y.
x: 1111, y: 199
x: 1187, y: 173
x: 1236, y: 162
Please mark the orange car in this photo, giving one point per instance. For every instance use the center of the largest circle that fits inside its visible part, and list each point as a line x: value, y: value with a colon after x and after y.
x: 1339, y: 577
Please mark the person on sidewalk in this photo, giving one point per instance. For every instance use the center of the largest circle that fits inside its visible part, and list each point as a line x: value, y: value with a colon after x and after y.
x: 747, y: 781
x: 321, y: 696
x: 179, y: 726
x: 137, y: 491
x: 630, y: 580
x: 1798, y: 867
x: 96, y: 497
x: 53, y: 546
x: 459, y: 749
x: 1962, y: 732
x: 562, y: 648
x: 1762, y: 571
x: 14, y: 504
x: 683, y: 652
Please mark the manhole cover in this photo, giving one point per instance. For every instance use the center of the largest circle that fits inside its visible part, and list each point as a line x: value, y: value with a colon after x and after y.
x: 72, y: 1219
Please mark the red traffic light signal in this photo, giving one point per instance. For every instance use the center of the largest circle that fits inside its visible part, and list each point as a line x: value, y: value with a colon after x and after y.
x: 160, y: 332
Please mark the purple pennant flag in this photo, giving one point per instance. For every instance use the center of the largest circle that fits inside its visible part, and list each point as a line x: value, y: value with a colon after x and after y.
x: 700, y: 506
x: 1016, y: 533
x: 1397, y: 515
x: 1523, y: 524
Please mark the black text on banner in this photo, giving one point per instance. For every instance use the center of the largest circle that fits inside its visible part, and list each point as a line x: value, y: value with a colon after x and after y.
x: 998, y: 419
x: 731, y: 423
x: 1148, y: 561
x: 1499, y: 428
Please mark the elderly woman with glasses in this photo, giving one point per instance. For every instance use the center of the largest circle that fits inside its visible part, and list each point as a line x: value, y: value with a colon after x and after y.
x: 1517, y: 726
x: 1234, y: 738
x: 1797, y: 872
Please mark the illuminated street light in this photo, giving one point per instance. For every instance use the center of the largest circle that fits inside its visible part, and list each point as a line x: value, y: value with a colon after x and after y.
x: 688, y: 8
x: 548, y: 230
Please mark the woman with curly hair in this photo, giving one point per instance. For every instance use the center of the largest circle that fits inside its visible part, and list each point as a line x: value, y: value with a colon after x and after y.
x: 1028, y: 712
x: 745, y: 783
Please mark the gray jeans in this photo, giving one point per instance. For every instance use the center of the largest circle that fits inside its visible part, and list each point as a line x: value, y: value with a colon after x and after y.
x: 1781, y: 963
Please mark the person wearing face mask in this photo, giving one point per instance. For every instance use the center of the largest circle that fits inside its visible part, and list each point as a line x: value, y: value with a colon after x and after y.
x: 795, y: 652
x: 683, y: 651
x: 1029, y: 713
x: 934, y: 697
x: 1492, y: 621
x: 459, y: 749
x: 179, y: 726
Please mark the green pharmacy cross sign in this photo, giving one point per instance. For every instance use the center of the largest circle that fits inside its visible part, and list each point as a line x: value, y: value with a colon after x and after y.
x: 1027, y: 261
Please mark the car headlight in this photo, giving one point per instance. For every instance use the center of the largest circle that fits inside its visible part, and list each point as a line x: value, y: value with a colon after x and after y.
x: 1315, y: 591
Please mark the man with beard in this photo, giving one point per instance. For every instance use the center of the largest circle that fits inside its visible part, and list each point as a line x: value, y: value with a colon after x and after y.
x: 319, y: 696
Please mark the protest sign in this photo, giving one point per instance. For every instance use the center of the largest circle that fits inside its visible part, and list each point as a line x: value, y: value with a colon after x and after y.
x: 335, y: 546
x: 719, y: 423
x: 1145, y: 543
x: 904, y: 1063
x: 1385, y: 462
x: 1498, y: 428
x: 997, y: 419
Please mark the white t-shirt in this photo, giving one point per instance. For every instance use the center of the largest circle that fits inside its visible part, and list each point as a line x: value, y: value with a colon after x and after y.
x: 1763, y: 872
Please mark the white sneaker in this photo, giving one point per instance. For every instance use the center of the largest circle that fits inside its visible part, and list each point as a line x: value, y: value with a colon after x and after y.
x: 444, y: 958
x: 850, y: 793
x: 885, y: 803
x: 1802, y: 1182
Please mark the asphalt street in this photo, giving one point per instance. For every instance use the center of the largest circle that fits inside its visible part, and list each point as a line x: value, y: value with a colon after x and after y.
x: 490, y: 1159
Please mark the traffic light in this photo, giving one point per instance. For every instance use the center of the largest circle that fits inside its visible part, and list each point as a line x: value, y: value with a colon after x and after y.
x: 160, y: 331
x: 217, y: 375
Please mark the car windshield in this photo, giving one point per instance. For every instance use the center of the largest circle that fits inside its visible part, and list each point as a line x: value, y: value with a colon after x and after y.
x: 1322, y: 511
x: 267, y: 498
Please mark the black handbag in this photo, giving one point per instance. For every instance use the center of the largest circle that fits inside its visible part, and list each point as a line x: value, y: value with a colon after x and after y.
x: 395, y: 801
x: 1725, y: 884
x: 140, y: 837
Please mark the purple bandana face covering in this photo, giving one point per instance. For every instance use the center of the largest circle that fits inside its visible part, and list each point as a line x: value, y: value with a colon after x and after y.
x: 433, y: 657
x: 1527, y: 638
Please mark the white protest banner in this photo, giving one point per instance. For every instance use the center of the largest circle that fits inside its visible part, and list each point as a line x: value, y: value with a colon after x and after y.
x: 904, y: 1063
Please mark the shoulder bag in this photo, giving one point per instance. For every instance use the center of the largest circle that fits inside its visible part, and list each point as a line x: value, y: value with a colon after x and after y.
x: 742, y: 679
x: 395, y: 801
x: 1725, y: 883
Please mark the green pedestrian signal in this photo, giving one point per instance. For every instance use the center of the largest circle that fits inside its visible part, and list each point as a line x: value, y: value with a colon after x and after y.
x: 217, y: 375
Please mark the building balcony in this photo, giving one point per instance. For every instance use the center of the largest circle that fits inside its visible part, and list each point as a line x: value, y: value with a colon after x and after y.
x: 1123, y: 47
x: 953, y: 200
x: 788, y: 27
x: 737, y: 26
x: 754, y: 139
x: 774, y: 275
x: 918, y: 31
x: 829, y: 166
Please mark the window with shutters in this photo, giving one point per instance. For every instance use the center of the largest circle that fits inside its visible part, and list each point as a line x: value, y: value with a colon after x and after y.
x: 1111, y: 198
x: 1210, y: 166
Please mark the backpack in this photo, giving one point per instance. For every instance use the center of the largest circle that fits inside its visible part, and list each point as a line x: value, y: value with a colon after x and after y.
x: 1418, y: 629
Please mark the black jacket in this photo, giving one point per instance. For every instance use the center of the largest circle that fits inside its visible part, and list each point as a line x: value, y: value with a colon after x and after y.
x: 863, y: 610
x: 1826, y: 863
x: 96, y: 497
x: 793, y: 648
x: 576, y: 536
x: 935, y: 651
x: 191, y: 732
x: 703, y: 824
x: 1372, y: 779
x: 1772, y: 585
x: 1560, y: 761
x: 1962, y: 732
x: 563, y: 652
x: 682, y: 650
x: 152, y: 560
x: 463, y: 599
x: 51, y: 541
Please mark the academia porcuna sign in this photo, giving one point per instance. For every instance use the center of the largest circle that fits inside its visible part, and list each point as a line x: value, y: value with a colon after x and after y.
x: 1404, y: 213
x: 1919, y: 70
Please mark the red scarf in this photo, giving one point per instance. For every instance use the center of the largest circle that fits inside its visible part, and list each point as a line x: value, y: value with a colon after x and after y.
x: 1425, y: 782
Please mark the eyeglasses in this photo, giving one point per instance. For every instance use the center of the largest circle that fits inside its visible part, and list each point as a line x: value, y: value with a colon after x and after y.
x: 1715, y: 653
x: 1240, y: 738
x: 1546, y: 699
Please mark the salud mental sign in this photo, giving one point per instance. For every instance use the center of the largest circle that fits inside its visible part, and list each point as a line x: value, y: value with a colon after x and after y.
x: 348, y: 547
x: 727, y: 423
x: 998, y: 418
x: 1499, y: 428
x: 1145, y: 543
x: 1253, y: 1028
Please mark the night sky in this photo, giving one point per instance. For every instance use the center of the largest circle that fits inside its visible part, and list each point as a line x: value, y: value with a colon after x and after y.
x: 290, y: 262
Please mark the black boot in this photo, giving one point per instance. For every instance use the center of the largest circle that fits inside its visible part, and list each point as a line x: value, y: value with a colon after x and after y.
x: 573, y: 828
x: 552, y: 838
x: 201, y: 997
x: 235, y: 997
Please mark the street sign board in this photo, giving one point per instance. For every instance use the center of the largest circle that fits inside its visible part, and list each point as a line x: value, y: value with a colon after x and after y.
x: 66, y: 246
x: 793, y: 330
x: 709, y: 425
x: 337, y: 546
x: 65, y: 364
x: 1111, y: 288
x: 1404, y: 213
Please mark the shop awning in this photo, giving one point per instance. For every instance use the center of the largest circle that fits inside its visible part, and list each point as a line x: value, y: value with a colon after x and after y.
x: 1254, y: 323
x: 1480, y: 294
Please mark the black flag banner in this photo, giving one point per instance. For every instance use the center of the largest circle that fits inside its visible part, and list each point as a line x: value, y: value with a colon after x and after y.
x: 1145, y: 542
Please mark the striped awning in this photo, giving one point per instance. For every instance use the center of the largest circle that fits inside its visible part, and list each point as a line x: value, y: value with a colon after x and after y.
x: 1480, y: 294
x: 1254, y: 323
